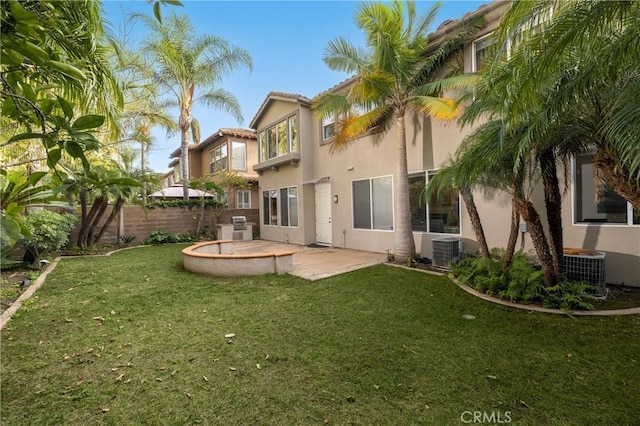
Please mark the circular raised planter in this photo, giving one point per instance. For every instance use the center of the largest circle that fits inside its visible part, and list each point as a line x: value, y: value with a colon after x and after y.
x: 217, y: 258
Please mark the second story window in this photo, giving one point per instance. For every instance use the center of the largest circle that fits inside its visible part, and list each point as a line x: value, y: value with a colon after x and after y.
x: 482, y: 49
x: 238, y: 156
x: 328, y: 127
x: 279, y: 139
x: 218, y: 159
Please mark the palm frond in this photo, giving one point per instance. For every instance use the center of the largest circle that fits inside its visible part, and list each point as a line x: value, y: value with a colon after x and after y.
x: 341, y: 55
x: 222, y: 100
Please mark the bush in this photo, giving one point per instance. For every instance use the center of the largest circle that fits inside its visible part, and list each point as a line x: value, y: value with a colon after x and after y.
x: 569, y: 295
x: 521, y: 281
x: 49, y: 230
x: 161, y: 236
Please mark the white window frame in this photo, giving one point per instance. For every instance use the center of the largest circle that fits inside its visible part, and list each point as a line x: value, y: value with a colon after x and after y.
x: 326, y: 122
x: 434, y: 171
x: 574, y: 213
x: 272, y: 222
x: 214, y: 158
x: 425, y: 174
x: 287, y: 204
x: 393, y: 210
x: 263, y: 149
x: 233, y: 157
x: 291, y: 130
x: 263, y: 138
x: 474, y: 65
x: 240, y: 193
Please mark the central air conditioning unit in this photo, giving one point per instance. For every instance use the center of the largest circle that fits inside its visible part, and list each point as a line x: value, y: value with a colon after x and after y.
x: 587, y: 266
x: 446, y: 250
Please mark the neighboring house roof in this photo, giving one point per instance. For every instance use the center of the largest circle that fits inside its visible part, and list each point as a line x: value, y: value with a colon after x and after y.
x: 176, y: 192
x: 174, y: 162
x: 236, y: 133
x: 278, y: 96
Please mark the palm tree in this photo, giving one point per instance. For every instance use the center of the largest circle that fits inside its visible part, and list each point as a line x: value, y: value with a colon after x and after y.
x: 586, y: 56
x: 183, y: 62
x: 397, y: 71
x: 557, y: 96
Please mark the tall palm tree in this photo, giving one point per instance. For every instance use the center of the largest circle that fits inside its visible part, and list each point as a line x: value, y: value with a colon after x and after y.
x: 183, y: 63
x: 398, y: 71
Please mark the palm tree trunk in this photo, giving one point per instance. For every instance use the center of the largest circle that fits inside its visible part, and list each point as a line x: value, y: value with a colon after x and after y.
x: 618, y: 180
x: 532, y: 218
x: 89, y: 219
x: 513, y: 234
x: 404, y: 246
x: 143, y: 160
x: 553, y: 205
x: 83, y: 216
x: 184, y: 154
x: 474, y: 216
x: 94, y: 217
x: 201, y: 218
x: 114, y: 213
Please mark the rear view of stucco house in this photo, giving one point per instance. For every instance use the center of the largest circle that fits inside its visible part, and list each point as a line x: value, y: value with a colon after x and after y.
x: 311, y: 195
x: 227, y: 149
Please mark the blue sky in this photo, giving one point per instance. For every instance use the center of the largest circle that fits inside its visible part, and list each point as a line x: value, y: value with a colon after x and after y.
x: 286, y: 40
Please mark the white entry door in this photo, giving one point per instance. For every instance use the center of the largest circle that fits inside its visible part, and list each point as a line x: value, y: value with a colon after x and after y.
x: 323, y: 213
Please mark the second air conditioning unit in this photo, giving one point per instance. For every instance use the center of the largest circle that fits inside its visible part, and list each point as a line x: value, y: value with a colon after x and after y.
x: 446, y: 250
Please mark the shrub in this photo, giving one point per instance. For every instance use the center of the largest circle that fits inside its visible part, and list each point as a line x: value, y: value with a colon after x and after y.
x: 161, y: 236
x: 521, y: 281
x: 569, y: 295
x: 49, y: 230
x: 127, y: 239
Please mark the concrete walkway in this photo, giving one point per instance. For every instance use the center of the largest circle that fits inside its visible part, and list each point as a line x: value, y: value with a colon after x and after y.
x: 314, y: 263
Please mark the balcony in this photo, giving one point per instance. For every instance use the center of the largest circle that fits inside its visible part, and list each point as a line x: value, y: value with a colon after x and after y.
x: 274, y: 163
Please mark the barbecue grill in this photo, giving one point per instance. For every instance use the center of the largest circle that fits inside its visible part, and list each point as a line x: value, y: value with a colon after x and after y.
x: 239, y: 223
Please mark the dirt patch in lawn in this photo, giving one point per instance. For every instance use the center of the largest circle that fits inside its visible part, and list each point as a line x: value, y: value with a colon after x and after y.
x: 619, y: 297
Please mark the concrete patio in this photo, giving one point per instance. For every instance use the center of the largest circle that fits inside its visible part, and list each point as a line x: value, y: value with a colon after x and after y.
x: 314, y: 263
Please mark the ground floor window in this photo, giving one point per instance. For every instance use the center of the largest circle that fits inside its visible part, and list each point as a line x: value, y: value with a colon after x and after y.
x: 286, y: 209
x: 440, y: 214
x: 270, y: 207
x: 595, y: 203
x: 373, y: 203
x: 243, y: 199
x: 289, y: 206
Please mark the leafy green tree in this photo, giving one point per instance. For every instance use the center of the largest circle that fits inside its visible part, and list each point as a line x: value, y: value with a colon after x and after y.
x: 19, y: 192
x: 184, y: 63
x: 55, y: 85
x: 397, y: 72
x: 206, y: 186
x: 95, y: 190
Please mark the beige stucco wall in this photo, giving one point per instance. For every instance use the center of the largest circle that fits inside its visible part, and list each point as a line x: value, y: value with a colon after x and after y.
x: 202, y: 157
x: 287, y: 175
x: 429, y: 145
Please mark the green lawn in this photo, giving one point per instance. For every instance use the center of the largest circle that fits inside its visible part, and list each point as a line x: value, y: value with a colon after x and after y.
x: 133, y: 339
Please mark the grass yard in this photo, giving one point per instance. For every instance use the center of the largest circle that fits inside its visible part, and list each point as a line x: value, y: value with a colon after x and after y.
x: 133, y: 339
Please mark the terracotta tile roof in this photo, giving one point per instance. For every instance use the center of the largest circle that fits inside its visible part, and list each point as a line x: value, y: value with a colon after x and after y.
x: 236, y: 133
x: 282, y: 96
x: 341, y: 85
